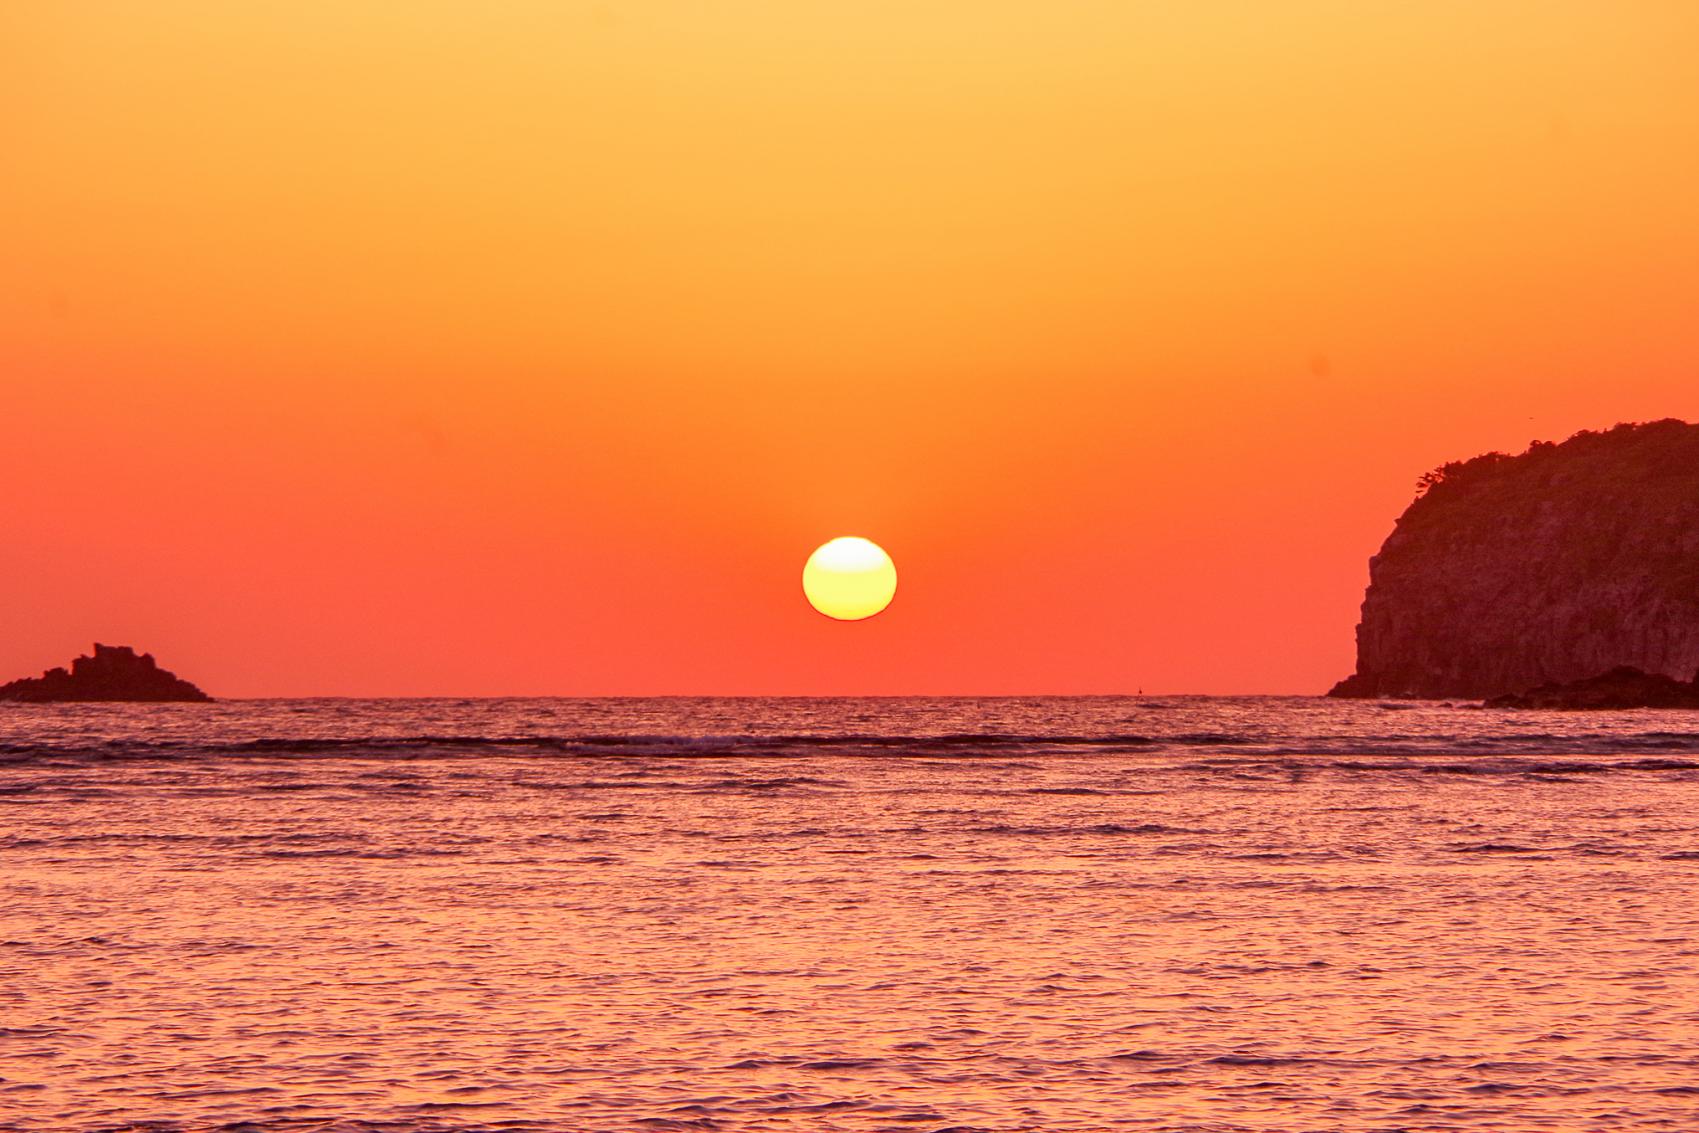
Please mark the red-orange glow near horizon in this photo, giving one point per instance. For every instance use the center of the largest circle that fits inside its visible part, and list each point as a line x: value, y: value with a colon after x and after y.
x: 524, y: 348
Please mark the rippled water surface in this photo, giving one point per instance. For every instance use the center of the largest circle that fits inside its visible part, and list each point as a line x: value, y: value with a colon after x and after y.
x: 1178, y: 914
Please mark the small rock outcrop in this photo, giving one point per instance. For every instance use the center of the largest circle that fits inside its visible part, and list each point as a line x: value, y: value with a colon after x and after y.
x: 1511, y: 573
x: 115, y: 672
x: 1623, y: 687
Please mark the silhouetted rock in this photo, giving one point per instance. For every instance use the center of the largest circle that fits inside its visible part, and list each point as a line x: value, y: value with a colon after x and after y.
x: 1623, y: 687
x: 1511, y: 573
x: 115, y: 672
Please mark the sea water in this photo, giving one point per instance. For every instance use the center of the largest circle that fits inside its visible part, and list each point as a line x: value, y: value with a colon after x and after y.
x: 1174, y: 913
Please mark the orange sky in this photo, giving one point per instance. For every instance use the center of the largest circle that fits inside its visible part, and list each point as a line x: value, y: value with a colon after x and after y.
x: 438, y: 348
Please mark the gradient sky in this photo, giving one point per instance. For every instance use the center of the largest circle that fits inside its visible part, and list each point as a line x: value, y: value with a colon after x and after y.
x: 443, y: 348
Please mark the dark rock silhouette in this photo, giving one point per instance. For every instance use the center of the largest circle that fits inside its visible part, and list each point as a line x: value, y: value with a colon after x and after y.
x: 115, y: 672
x: 1623, y: 687
x: 1511, y: 573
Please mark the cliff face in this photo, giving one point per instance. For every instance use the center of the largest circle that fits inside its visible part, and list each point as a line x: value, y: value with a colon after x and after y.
x: 115, y: 672
x: 1511, y: 572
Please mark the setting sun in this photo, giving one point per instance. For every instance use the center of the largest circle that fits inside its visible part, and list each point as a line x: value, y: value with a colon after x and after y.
x: 849, y: 579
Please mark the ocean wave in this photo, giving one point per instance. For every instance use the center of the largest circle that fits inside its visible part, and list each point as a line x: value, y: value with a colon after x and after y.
x: 1236, y: 735
x: 1570, y: 755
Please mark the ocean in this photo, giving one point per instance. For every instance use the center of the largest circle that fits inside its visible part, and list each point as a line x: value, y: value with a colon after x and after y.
x: 1046, y: 914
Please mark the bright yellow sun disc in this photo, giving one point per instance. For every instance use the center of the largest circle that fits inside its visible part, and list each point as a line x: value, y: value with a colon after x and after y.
x: 849, y: 579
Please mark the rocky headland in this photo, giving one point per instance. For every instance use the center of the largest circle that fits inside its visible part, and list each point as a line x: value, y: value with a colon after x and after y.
x: 114, y: 672
x: 1543, y: 571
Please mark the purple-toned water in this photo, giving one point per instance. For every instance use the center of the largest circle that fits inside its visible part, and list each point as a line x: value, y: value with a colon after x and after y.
x: 740, y: 915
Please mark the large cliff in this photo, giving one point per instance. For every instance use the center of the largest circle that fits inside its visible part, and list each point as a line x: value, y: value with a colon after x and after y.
x: 1510, y: 572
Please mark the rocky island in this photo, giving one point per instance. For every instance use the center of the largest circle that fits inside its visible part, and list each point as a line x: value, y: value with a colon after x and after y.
x: 115, y: 672
x: 1543, y: 571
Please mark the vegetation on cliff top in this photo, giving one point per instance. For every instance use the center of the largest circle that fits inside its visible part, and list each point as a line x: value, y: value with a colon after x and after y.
x: 1650, y: 467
